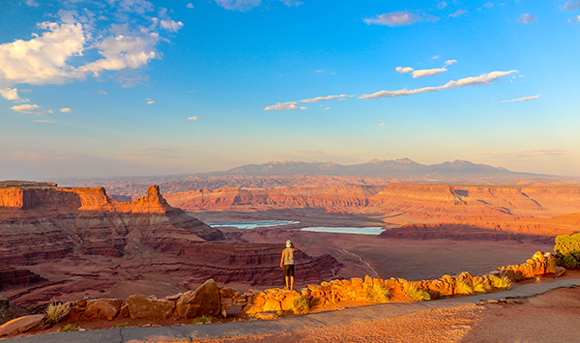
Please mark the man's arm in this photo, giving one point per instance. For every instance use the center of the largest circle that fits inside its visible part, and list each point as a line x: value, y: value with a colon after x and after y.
x: 282, y: 260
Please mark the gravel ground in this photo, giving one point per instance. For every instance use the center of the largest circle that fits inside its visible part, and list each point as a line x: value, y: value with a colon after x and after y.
x: 552, y: 317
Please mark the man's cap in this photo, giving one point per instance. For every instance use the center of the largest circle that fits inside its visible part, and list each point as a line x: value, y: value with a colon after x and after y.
x: 288, y: 243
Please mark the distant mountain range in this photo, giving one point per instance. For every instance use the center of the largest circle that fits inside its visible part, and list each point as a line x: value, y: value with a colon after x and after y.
x: 400, y: 169
x: 299, y: 174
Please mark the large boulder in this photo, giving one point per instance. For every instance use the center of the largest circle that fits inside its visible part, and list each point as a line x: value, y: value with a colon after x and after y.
x: 143, y: 307
x: 102, y: 309
x: 204, y: 301
x: 22, y: 324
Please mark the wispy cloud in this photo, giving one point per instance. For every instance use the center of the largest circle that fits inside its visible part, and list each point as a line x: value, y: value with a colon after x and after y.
x: 282, y: 106
x: 171, y: 25
x: 192, y: 118
x: 65, y: 110
x: 28, y: 108
x: 330, y: 97
x: 458, y: 13
x: 422, y: 72
x: 570, y: 5
x: 32, y: 3
x: 150, y: 101
x: 574, y: 20
x: 484, y: 79
x: 523, y: 99
x: 303, y: 107
x: 441, y: 5
x: 399, y: 18
x: 44, y: 121
x: 346, y: 139
x: 100, y: 91
x: 528, y: 153
x: 527, y: 18
x: 4, y: 139
x: 190, y: 5
x: 487, y: 5
x: 450, y: 62
x: 427, y: 72
x: 238, y: 5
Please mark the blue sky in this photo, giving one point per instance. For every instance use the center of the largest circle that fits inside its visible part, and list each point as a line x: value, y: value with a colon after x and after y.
x: 136, y: 87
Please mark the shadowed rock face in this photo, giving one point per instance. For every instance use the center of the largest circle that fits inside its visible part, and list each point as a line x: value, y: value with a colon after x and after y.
x: 50, y: 223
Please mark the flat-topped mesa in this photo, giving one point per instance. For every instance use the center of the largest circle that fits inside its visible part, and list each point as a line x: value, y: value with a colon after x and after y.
x: 82, y: 199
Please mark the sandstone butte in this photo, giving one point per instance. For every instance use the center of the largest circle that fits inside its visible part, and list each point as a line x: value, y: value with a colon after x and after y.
x: 542, y: 210
x: 57, y: 241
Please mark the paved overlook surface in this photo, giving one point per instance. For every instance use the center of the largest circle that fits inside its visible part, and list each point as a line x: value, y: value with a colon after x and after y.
x: 262, y: 327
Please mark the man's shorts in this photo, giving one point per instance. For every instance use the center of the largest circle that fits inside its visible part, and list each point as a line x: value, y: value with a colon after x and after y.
x: 288, y: 270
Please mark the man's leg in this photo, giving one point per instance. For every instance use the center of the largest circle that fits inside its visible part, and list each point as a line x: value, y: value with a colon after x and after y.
x: 287, y: 282
x: 291, y: 282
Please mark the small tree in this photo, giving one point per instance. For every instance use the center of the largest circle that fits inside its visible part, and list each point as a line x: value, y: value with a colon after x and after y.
x: 567, y: 244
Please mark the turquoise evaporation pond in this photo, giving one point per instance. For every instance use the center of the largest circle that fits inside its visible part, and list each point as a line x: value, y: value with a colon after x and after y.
x: 374, y: 230
x: 254, y: 225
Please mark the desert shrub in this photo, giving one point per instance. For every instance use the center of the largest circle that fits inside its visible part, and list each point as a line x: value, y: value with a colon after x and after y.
x: 378, y: 294
x: 503, y: 283
x: 569, y: 261
x: 480, y: 286
x: 300, y: 305
x: 202, y: 319
x: 567, y: 244
x: 462, y: 287
x: 55, y: 312
x: 417, y: 294
x: 67, y: 327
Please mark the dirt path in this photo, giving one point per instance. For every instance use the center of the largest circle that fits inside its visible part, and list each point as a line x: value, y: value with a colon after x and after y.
x: 551, y: 317
x: 362, y: 261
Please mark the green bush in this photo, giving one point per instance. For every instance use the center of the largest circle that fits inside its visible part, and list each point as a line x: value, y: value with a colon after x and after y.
x: 416, y: 294
x: 300, y: 306
x: 569, y: 261
x: 378, y: 294
x: 202, y: 319
x: 55, y: 312
x: 66, y: 328
x: 567, y: 244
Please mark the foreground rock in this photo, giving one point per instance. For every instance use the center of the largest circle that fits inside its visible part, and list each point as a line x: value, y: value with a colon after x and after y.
x: 22, y: 324
x: 204, y: 301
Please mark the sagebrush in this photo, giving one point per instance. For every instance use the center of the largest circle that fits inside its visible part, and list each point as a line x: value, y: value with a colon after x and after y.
x: 55, y: 312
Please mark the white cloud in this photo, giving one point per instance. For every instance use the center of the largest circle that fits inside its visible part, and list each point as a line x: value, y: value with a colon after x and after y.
x: 192, y: 118
x: 32, y: 3
x: 488, y: 5
x: 404, y: 70
x: 570, y: 5
x: 65, y: 110
x: 10, y: 94
x: 441, y: 5
x: 150, y: 102
x: 484, y: 79
x: 320, y: 71
x: 171, y: 25
x: 135, y: 6
x: 303, y: 107
x: 575, y: 20
x: 100, y: 91
x: 458, y: 13
x: 330, y: 97
x: 190, y: 5
x: 436, y: 57
x: 527, y: 18
x: 291, y: 3
x: 523, y: 99
x: 450, y: 62
x: 282, y: 106
x: 27, y: 108
x: 325, y: 108
x: 50, y: 111
x: 427, y: 72
x: 44, y: 121
x: 399, y: 18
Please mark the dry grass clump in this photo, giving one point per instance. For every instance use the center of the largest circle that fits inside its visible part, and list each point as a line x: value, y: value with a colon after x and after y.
x: 416, y: 294
x: 378, y: 294
x: 503, y: 283
x: 481, y: 286
x: 55, y: 312
x: 300, y: 305
x: 462, y: 287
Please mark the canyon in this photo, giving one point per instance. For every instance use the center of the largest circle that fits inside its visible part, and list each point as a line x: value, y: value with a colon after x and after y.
x: 58, y: 242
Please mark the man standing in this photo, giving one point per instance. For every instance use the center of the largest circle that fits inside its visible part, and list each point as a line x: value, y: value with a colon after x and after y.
x: 287, y: 262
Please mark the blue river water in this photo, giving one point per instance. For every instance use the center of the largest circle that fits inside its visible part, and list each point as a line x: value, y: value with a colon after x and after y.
x: 375, y: 230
